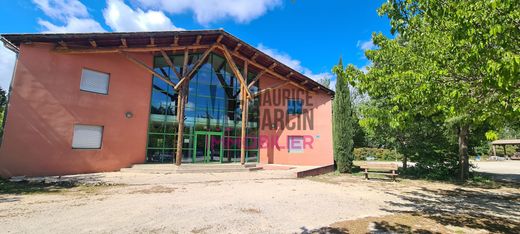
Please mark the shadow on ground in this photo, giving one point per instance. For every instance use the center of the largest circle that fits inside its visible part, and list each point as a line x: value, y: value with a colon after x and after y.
x: 464, y: 208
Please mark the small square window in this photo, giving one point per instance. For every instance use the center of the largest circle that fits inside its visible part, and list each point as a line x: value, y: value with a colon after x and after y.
x: 294, y: 106
x: 93, y: 81
x: 87, y: 136
x: 295, y: 144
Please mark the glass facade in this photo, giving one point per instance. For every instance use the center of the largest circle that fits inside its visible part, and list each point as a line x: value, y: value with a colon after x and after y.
x: 213, y: 117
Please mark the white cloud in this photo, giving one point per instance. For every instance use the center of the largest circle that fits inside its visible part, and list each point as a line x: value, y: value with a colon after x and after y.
x: 366, y: 45
x: 72, y: 24
x: 62, y: 9
x: 7, y: 59
x: 207, y: 11
x: 72, y: 14
x: 293, y: 63
x: 120, y: 17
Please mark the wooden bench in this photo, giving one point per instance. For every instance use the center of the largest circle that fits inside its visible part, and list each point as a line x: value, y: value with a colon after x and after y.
x: 387, y: 169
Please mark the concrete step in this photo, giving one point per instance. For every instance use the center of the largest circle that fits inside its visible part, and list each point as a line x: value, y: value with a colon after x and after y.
x: 190, y: 168
x: 218, y: 170
x: 149, y: 171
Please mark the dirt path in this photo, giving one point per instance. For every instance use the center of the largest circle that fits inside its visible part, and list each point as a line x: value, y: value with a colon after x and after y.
x: 249, y: 203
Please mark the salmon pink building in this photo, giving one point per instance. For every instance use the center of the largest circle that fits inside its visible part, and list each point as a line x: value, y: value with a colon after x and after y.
x: 95, y: 102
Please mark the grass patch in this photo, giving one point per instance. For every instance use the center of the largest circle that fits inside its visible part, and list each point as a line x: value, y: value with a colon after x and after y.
x: 28, y: 187
x: 25, y: 187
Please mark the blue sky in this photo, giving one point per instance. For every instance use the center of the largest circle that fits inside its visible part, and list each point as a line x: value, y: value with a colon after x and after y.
x: 308, y: 35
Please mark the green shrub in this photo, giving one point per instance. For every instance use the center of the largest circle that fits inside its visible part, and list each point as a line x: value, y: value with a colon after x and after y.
x: 379, y: 154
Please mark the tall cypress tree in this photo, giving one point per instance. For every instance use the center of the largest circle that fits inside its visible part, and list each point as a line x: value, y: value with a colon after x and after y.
x: 343, y: 131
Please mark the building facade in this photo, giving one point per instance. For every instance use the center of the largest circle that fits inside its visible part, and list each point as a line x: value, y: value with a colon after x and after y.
x: 97, y: 102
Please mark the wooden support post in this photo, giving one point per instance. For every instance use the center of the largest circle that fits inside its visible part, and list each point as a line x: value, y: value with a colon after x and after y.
x: 181, y: 100
x: 494, y: 150
x: 505, y: 152
x: 244, y: 116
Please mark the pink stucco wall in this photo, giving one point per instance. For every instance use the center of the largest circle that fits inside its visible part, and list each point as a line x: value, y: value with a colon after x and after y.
x: 46, y: 102
x: 321, y: 135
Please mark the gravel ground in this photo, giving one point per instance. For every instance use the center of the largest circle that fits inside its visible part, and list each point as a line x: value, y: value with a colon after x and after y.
x: 258, y: 202
x: 198, y: 203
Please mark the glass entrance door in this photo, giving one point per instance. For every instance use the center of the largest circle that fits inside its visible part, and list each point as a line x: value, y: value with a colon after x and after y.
x: 207, y: 147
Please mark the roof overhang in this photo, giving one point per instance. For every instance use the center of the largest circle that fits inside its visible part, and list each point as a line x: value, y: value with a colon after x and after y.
x: 114, y: 42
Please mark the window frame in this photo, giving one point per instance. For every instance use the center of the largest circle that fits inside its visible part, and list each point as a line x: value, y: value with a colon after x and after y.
x: 290, y: 150
x: 91, y: 125
x: 97, y: 71
x: 291, y: 108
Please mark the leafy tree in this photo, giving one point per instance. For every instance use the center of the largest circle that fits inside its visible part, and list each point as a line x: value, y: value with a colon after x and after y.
x: 342, y: 121
x: 325, y: 81
x: 456, y: 62
x: 3, y: 103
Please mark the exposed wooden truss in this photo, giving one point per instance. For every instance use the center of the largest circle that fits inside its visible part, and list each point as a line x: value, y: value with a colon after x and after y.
x: 150, y: 70
x: 170, y: 63
x: 235, y: 70
x: 195, y: 67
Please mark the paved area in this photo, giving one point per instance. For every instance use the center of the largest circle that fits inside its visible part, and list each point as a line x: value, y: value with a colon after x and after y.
x: 508, y: 170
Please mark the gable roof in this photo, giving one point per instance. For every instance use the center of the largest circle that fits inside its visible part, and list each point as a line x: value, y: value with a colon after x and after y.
x: 112, y: 42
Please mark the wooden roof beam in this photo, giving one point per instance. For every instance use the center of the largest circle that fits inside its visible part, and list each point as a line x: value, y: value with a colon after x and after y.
x: 219, y: 38
x: 123, y: 43
x: 195, y: 67
x: 92, y: 43
x: 254, y: 56
x: 152, y: 42
x: 63, y: 44
x: 175, y: 41
x: 197, y: 41
x: 170, y: 63
x: 101, y: 50
x: 258, y: 76
x: 271, y: 71
x: 150, y: 70
x: 237, y: 47
x: 234, y: 69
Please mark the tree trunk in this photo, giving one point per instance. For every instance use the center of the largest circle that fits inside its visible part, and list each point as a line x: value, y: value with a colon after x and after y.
x: 405, y: 162
x: 463, y: 152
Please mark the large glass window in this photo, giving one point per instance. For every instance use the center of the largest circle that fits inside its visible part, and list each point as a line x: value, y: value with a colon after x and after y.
x: 213, y: 110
